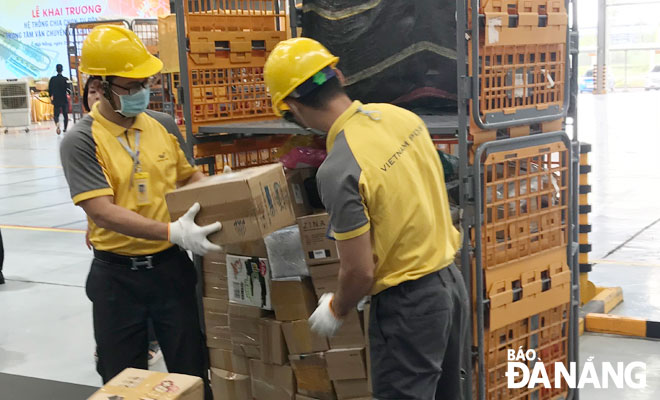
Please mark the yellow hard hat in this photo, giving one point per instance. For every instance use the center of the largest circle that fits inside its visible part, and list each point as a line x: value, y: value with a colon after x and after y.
x: 113, y: 50
x: 291, y: 63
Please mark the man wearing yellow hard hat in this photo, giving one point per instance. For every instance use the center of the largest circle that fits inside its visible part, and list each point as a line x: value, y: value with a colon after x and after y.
x: 383, y: 186
x: 119, y: 161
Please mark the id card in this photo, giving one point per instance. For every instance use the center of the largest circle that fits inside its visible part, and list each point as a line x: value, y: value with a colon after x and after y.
x: 142, y: 185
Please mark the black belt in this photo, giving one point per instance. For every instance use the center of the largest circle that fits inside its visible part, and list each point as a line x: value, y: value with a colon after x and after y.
x: 138, y: 262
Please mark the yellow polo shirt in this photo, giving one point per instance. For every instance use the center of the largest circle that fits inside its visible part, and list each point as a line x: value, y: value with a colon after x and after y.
x: 383, y: 174
x: 96, y: 164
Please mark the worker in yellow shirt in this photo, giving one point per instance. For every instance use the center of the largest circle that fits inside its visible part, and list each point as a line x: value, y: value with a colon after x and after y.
x: 382, y: 184
x: 119, y: 161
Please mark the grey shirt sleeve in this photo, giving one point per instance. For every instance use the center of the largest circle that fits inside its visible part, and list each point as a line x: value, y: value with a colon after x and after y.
x: 82, y: 169
x: 170, y: 125
x: 338, y: 181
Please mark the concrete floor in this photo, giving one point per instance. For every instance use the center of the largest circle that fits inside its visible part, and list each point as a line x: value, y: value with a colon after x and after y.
x: 45, y: 317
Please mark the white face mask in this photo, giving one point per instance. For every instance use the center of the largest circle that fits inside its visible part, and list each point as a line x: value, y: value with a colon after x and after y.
x: 134, y: 104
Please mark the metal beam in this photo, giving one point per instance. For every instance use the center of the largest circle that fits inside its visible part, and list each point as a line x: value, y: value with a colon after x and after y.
x: 601, y: 53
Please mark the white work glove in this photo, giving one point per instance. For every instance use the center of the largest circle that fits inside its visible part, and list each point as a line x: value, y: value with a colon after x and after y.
x: 324, y: 321
x: 187, y: 234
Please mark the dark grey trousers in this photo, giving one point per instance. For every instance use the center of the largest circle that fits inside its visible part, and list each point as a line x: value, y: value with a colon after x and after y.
x: 417, y: 338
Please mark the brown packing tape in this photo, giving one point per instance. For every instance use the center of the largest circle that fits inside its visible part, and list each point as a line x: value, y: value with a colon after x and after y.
x: 312, y: 376
x: 293, y: 299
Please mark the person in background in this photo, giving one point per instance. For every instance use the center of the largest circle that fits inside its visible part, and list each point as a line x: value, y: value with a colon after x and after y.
x: 382, y: 184
x: 92, y: 93
x: 120, y: 160
x: 58, y: 87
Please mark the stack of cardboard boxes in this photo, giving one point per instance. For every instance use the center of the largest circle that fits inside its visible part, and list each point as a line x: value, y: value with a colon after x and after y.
x: 260, y: 343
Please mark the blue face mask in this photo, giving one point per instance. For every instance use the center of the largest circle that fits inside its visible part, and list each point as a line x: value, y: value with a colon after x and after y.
x: 134, y: 104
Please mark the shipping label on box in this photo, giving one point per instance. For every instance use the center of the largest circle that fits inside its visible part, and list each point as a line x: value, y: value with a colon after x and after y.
x: 253, y: 203
x: 248, y: 279
x: 230, y: 385
x: 346, y: 364
x: 229, y: 361
x: 134, y: 383
x: 319, y: 249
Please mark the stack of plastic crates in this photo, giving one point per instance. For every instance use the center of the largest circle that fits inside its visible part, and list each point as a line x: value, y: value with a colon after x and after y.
x: 229, y: 42
x: 521, y: 66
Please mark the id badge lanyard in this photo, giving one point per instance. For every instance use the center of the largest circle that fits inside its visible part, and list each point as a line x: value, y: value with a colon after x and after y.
x: 137, y: 176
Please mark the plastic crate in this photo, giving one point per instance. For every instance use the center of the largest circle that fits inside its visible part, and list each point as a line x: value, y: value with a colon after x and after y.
x: 525, y: 203
x: 235, y: 15
x: 228, y: 94
x: 547, y: 333
x: 231, y: 49
x: 522, y: 59
x: 239, y: 154
x: 147, y: 31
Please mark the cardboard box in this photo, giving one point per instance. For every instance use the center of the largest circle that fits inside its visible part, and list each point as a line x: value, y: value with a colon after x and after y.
x: 251, y: 248
x: 293, y: 298
x: 325, y: 278
x: 250, y: 203
x: 248, y: 280
x: 215, y: 323
x: 134, y: 383
x: 215, y: 286
x: 312, y: 376
x: 350, y: 334
x: 248, y: 351
x: 273, y: 346
x: 229, y: 361
x: 296, y: 182
x: 230, y: 385
x: 214, y: 263
x: 346, y: 364
x: 219, y: 338
x: 319, y: 249
x: 301, y: 340
x: 215, y: 305
x: 244, y: 324
x: 352, y: 389
x: 272, y: 382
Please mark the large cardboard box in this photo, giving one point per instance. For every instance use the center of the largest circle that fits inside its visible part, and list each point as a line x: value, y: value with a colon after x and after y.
x: 229, y: 361
x: 352, y: 389
x: 296, y: 182
x: 244, y: 324
x: 248, y: 351
x: 303, y: 397
x: 134, y: 383
x: 215, y: 285
x: 215, y: 305
x: 272, y: 382
x: 230, y: 385
x: 249, y: 203
x: 248, y: 279
x: 215, y: 323
x: 312, y: 376
x: 325, y: 278
x: 346, y: 364
x: 319, y: 249
x: 273, y: 346
x: 293, y: 298
x: 301, y: 340
x: 350, y: 334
